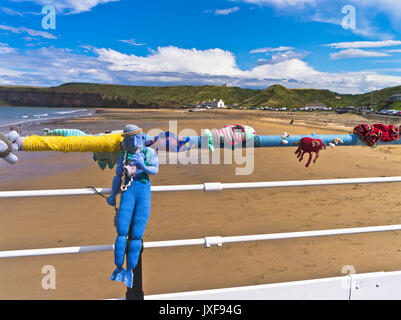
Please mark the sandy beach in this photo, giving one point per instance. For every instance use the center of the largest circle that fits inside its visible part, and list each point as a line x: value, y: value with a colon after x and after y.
x: 79, y: 221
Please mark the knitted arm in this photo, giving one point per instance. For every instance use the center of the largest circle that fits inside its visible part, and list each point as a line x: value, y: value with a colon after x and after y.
x: 154, y: 163
x: 116, y: 183
x: 151, y: 166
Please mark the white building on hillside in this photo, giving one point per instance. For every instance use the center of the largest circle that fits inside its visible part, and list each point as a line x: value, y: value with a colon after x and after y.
x: 211, y: 104
x: 217, y: 104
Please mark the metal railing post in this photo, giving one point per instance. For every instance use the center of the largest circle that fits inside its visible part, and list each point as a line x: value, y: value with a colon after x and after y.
x: 136, y: 292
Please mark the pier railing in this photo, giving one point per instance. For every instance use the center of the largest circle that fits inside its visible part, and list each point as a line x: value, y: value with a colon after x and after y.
x: 303, y: 289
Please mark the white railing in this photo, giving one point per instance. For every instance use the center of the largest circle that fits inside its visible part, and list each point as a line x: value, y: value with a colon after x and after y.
x: 206, y: 241
x: 206, y: 187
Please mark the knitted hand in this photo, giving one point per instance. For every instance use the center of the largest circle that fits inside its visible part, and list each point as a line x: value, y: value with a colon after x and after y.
x: 309, y: 145
x: 9, y: 143
x: 111, y: 200
x: 137, y: 160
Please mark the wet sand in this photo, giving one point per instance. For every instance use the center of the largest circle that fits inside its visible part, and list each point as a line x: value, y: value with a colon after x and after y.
x: 78, y: 221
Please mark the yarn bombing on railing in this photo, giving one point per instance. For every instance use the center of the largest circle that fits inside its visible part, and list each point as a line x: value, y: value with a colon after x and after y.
x: 9, y: 143
x: 371, y: 135
x: 232, y: 135
x: 136, y: 158
x: 167, y: 141
x: 108, y: 146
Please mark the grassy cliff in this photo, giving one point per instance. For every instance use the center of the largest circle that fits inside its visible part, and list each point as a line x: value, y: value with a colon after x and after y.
x: 101, y: 95
x: 278, y: 95
x: 172, y: 96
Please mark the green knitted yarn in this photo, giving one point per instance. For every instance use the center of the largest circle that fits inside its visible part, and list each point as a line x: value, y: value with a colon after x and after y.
x: 209, y: 136
x: 143, y: 175
x: 249, y: 133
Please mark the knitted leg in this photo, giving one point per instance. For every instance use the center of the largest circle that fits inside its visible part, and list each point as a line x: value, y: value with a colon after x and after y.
x: 124, y: 217
x: 141, y: 216
x: 309, y: 160
x: 317, y: 157
x: 301, y: 157
x: 298, y: 151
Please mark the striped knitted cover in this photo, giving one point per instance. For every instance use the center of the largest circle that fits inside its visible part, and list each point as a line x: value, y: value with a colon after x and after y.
x: 230, y: 135
x: 64, y: 132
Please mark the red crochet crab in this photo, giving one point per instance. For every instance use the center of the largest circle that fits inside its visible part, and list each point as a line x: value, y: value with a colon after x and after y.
x: 309, y: 145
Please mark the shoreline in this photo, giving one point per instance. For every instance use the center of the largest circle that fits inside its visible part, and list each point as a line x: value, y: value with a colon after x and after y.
x: 39, y: 121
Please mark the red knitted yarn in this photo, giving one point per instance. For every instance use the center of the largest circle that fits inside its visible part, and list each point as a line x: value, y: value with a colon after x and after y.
x: 370, y: 135
x: 309, y: 145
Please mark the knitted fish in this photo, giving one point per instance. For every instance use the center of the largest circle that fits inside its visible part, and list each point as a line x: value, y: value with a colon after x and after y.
x: 64, y: 132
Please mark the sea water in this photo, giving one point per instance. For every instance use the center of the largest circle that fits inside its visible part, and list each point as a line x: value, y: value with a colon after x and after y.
x: 11, y: 116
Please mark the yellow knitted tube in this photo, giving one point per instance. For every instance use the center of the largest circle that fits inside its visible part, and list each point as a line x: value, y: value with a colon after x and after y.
x: 105, y: 143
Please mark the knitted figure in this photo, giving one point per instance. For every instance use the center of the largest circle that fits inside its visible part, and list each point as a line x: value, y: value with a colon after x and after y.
x: 370, y: 135
x: 309, y: 145
x: 135, y: 200
x: 232, y: 135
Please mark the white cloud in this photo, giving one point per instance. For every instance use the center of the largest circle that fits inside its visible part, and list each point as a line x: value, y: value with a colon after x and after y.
x: 173, y: 66
x: 364, y: 28
x: 357, y: 53
x: 282, y: 56
x: 72, y: 6
x: 173, y: 59
x: 214, y: 66
x: 11, y: 12
x: 50, y: 66
x: 226, y: 11
x: 329, y: 11
x: 282, y: 3
x: 133, y: 42
x: 364, y: 44
x: 391, y: 7
x: 263, y: 50
x: 5, y: 48
x: 31, y: 32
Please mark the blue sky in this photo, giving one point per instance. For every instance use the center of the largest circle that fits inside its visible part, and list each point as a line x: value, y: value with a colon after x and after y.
x: 246, y: 43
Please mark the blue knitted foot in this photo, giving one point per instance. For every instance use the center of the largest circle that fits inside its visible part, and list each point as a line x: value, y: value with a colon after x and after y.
x: 118, y: 274
x: 128, y: 278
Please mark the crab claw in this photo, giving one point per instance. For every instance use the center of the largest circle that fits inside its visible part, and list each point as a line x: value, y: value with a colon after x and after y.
x: 9, y: 143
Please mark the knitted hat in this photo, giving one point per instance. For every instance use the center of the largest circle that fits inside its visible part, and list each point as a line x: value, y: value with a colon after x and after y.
x: 131, y: 130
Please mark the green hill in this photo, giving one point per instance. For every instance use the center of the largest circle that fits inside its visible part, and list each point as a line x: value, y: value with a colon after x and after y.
x: 171, y: 96
x: 380, y: 97
x: 102, y: 95
x: 278, y: 95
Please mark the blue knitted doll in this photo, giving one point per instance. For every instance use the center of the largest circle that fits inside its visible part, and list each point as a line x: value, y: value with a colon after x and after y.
x: 134, y: 166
